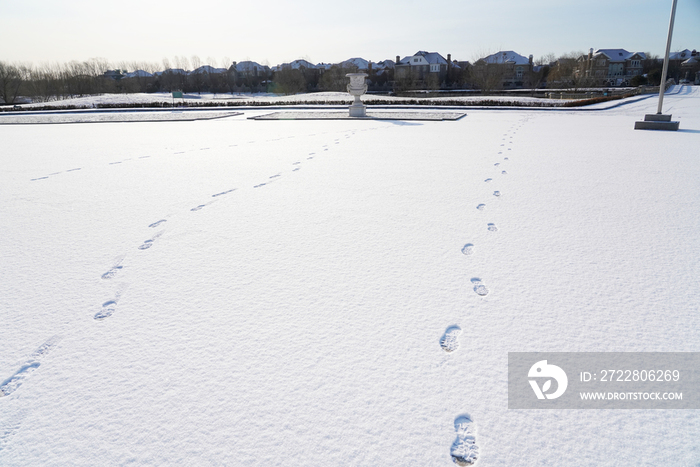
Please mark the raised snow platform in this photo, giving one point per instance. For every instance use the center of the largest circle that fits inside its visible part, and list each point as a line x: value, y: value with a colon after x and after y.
x: 428, y: 116
x: 29, y: 118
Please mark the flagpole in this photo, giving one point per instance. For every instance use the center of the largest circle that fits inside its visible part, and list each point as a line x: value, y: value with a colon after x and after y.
x: 662, y: 85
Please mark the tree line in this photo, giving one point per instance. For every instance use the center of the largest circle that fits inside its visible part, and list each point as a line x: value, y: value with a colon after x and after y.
x: 56, y: 81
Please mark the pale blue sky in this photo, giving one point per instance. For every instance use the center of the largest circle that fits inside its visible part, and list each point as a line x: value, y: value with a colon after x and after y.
x: 276, y: 31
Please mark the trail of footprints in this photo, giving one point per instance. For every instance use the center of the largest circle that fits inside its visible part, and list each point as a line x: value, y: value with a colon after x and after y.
x: 325, y: 147
x: 109, y: 307
x: 464, y: 450
x: 25, y: 370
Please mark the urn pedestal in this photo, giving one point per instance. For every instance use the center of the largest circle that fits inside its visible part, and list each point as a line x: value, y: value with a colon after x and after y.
x: 356, y: 88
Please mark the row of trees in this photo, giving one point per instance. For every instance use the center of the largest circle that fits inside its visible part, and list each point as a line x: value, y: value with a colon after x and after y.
x: 58, y: 81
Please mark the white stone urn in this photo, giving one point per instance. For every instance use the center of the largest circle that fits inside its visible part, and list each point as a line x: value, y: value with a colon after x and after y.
x: 356, y: 88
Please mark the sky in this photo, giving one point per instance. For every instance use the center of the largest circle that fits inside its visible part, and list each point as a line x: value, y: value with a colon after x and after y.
x: 276, y: 31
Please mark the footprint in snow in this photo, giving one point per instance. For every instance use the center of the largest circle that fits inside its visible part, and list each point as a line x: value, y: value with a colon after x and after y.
x: 223, y: 193
x: 468, y: 249
x: 157, y: 223
x: 496, y: 193
x: 197, y: 208
x: 497, y: 164
x: 488, y: 180
x: 275, y: 176
x: 503, y: 172
x: 12, y: 383
x: 107, y: 310
x: 481, y: 207
x: 492, y: 227
x: 479, y: 288
x: 448, y: 341
x: 464, y: 450
x: 114, y: 269
x: 149, y: 243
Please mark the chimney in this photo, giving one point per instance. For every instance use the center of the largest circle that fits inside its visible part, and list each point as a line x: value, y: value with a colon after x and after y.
x: 398, y: 59
x: 529, y: 59
x: 449, y: 58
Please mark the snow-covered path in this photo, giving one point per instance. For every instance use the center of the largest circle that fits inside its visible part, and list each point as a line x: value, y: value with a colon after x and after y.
x: 281, y: 292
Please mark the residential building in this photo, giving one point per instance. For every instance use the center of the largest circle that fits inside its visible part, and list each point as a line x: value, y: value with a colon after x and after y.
x: 510, y: 68
x: 610, y: 67
x: 423, y: 66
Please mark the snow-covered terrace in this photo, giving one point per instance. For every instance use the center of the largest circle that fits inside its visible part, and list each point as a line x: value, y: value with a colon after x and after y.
x: 240, y: 292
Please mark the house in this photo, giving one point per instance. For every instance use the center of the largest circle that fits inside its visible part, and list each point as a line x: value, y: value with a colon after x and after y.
x: 138, y: 74
x: 422, y: 66
x: 301, y: 63
x: 360, y: 63
x: 172, y: 71
x: 611, y: 67
x: 249, y: 68
x: 384, y: 65
x: 207, y: 69
x: 113, y: 74
x: 682, y: 55
x: 687, y: 65
x: 249, y: 74
x: 324, y: 66
x: 514, y: 69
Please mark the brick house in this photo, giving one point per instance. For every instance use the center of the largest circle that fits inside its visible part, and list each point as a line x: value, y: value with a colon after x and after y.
x: 423, y: 66
x: 610, y: 67
x: 515, y: 70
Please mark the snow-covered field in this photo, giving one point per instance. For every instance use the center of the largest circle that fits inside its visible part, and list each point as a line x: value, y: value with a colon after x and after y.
x: 283, y: 292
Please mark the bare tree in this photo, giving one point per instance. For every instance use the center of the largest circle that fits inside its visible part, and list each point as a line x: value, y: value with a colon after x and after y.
x: 487, y: 77
x: 547, y: 59
x: 11, y: 79
x: 196, y: 62
x: 288, y: 81
x: 334, y: 79
x: 566, y: 72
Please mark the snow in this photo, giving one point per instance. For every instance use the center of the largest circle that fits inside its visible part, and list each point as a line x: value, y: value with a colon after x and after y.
x: 281, y: 292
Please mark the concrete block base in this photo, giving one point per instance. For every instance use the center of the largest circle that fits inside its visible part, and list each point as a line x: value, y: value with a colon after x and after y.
x: 657, y: 118
x: 358, y: 110
x: 657, y: 122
